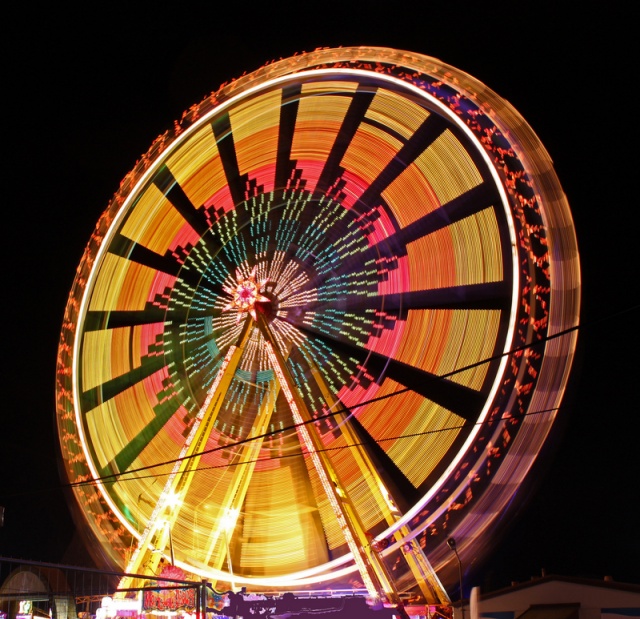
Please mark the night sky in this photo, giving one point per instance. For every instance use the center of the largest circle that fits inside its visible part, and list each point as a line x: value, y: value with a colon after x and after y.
x: 85, y: 94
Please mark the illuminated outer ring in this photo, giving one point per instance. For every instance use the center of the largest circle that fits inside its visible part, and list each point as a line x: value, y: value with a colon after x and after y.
x: 408, y: 229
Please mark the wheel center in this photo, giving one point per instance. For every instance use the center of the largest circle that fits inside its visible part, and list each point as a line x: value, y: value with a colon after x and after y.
x: 246, y: 296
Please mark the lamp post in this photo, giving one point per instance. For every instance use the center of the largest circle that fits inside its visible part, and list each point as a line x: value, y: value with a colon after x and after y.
x: 452, y: 544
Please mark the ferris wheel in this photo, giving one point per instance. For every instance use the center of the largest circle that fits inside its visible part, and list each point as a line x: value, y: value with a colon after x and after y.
x: 324, y: 325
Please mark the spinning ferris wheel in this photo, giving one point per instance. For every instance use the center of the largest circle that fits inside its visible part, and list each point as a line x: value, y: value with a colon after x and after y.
x: 308, y: 337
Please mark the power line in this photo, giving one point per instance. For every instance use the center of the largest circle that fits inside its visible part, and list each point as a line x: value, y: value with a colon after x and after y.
x: 115, y: 476
x: 579, y: 327
x: 119, y: 476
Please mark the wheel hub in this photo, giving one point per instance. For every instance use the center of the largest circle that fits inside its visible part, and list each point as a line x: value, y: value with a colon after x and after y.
x: 246, y: 296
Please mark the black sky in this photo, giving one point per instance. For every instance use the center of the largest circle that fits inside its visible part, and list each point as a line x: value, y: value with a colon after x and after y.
x: 85, y: 93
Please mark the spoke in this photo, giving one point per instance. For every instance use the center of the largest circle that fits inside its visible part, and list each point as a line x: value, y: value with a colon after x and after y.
x: 469, y: 203
x: 96, y: 320
x: 402, y: 491
x: 167, y: 263
x: 395, y: 245
x: 170, y: 187
x: 164, y: 410
x: 111, y: 388
x: 424, y: 136
x: 377, y: 468
x: 458, y: 399
x: 224, y: 137
x: 288, y: 114
x: 485, y: 296
x: 126, y: 248
x: 354, y: 116
x: 127, y: 456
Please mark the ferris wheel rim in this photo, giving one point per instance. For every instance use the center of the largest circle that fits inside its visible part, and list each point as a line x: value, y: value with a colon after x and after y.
x: 176, y: 145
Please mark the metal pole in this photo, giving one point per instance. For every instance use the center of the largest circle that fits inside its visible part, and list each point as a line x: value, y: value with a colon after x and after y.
x: 452, y: 544
x: 171, y: 544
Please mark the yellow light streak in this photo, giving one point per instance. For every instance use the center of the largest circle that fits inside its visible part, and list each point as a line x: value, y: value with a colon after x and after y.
x: 197, y: 167
x: 255, y: 126
x: 396, y: 112
x: 369, y: 152
x: 410, y: 196
x: 448, y: 168
x: 318, y: 122
x: 154, y: 222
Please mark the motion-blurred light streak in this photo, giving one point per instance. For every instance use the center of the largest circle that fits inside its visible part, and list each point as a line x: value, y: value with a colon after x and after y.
x: 400, y: 223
